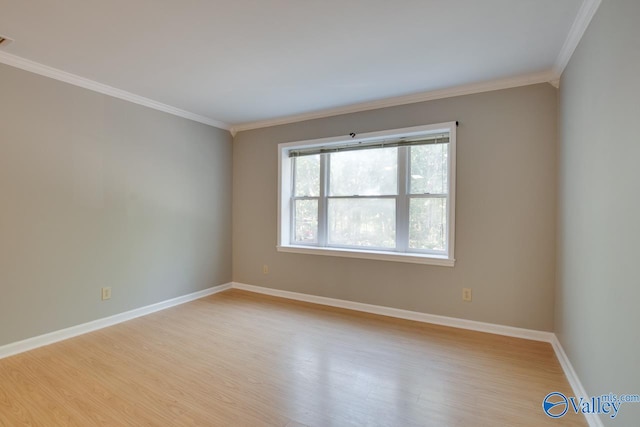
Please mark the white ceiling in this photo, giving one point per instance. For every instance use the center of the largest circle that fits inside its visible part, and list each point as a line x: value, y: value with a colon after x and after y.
x: 244, y: 61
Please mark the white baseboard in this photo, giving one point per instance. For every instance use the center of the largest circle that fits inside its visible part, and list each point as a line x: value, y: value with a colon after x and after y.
x: 404, y: 314
x: 578, y: 390
x: 63, y: 334
x: 550, y: 337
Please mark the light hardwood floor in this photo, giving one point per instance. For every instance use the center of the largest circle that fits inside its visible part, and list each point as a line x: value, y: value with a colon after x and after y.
x: 242, y: 359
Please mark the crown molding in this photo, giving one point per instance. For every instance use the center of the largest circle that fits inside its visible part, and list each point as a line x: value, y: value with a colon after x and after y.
x: 524, y: 80
x: 583, y: 18
x: 63, y: 76
x: 580, y: 24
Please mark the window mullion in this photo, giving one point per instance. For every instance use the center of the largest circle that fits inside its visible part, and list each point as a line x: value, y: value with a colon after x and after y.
x: 322, y: 200
x: 402, y: 201
x: 292, y: 203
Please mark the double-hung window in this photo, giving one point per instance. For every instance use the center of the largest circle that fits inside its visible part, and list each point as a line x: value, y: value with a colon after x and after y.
x: 384, y: 195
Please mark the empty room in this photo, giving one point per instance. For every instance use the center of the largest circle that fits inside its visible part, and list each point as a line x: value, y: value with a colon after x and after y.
x: 319, y: 213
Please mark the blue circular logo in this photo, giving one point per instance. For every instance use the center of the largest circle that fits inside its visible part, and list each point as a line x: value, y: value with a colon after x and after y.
x: 555, y: 404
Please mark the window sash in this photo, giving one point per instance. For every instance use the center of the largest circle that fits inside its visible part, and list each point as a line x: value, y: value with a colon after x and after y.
x: 403, y: 200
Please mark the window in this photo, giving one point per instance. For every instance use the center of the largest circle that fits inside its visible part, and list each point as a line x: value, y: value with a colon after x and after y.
x: 385, y: 195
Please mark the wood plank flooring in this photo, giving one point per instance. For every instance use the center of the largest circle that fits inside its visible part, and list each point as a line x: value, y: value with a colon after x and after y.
x: 242, y: 359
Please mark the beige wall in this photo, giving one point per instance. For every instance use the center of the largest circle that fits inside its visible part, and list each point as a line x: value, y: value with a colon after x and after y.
x: 506, y: 213
x: 95, y: 191
x: 598, y: 290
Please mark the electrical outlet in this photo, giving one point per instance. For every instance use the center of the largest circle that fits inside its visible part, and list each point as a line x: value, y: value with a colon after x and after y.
x: 466, y: 294
x: 106, y: 293
x: 265, y: 269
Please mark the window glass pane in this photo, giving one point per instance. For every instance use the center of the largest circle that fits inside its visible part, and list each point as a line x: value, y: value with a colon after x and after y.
x: 306, y: 221
x: 429, y: 164
x: 428, y: 223
x: 364, y: 172
x: 362, y: 222
x: 307, y: 176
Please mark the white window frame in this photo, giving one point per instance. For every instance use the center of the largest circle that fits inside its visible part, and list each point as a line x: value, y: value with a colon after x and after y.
x: 285, y: 190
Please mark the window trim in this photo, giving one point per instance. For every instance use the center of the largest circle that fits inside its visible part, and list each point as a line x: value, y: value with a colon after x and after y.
x: 285, y: 192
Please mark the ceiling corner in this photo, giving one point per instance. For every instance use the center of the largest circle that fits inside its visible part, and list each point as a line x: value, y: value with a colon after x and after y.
x: 468, y: 89
x: 63, y: 76
x: 585, y: 14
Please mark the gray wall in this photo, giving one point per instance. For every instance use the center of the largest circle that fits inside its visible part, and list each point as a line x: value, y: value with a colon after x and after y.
x: 96, y: 192
x: 505, y: 218
x: 598, y: 290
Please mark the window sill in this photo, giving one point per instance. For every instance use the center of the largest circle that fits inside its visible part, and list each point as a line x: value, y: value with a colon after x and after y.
x: 413, y: 258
